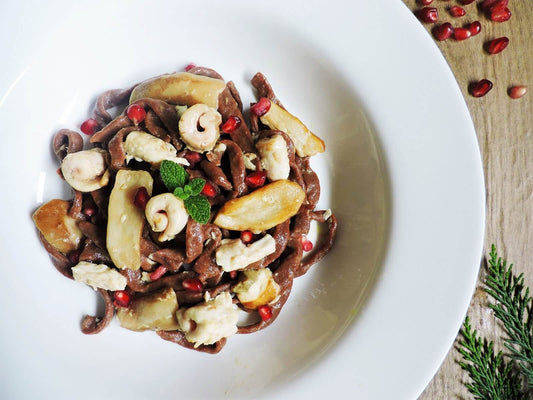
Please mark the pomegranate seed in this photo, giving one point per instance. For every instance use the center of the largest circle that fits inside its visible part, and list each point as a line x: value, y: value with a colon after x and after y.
x: 261, y: 107
x: 443, y: 31
x: 499, y: 13
x: 265, y: 312
x: 193, y: 285
x: 517, y: 91
x: 426, y: 2
x: 209, y: 190
x: 233, y: 274
x: 474, y: 28
x: 457, y: 11
x: 461, y: 33
x: 256, y: 179
x: 190, y: 66
x: 481, y: 88
x: 136, y: 113
x: 428, y: 15
x: 231, y: 124
x: 488, y: 4
x: 141, y: 197
x: 192, y: 157
x: 247, y: 237
x: 89, y: 210
x: 74, y: 256
x: 467, y: 2
x: 497, y: 45
x: 121, y: 298
x: 89, y: 126
x: 158, y: 273
x: 307, y: 245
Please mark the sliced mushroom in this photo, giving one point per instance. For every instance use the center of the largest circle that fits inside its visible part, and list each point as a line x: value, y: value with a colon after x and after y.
x: 199, y: 127
x: 86, y: 170
x: 145, y: 147
x: 166, y: 214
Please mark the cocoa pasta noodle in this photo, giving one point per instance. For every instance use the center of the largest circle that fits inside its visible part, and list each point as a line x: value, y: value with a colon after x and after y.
x: 187, y: 263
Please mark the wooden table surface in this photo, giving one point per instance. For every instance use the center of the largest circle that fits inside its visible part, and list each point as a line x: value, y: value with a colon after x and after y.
x: 504, y: 129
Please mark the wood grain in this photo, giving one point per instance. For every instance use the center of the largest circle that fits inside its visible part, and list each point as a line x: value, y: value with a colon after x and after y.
x: 504, y: 129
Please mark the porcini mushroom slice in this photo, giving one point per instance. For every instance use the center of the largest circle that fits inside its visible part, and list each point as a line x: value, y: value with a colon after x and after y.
x: 125, y: 219
x: 262, y: 209
x: 306, y: 142
x: 181, y: 88
x: 58, y: 228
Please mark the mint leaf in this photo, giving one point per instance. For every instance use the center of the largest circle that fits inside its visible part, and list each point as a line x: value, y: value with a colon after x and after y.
x: 180, y: 193
x: 196, y: 185
x: 173, y: 175
x: 198, y: 208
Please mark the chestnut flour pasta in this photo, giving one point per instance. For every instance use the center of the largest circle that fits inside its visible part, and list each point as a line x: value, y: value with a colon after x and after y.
x: 184, y: 214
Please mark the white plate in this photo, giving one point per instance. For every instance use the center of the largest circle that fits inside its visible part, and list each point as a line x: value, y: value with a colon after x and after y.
x: 402, y: 172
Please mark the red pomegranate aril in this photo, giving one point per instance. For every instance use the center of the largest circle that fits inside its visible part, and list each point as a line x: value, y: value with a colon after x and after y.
x: 426, y: 2
x: 121, y: 298
x: 488, y: 4
x: 193, y: 285
x: 474, y: 28
x: 265, y: 312
x: 307, y: 245
x: 231, y: 124
x: 443, y: 31
x: 89, y: 126
x: 428, y: 15
x: 499, y: 13
x: 89, y: 210
x: 192, y: 157
x: 141, y: 197
x: 480, y: 88
x: 457, y: 11
x: 497, y: 45
x: 517, y: 91
x: 256, y: 179
x: 136, y: 113
x: 461, y: 34
x: 190, y: 66
x: 247, y: 237
x: 209, y: 190
x: 158, y: 273
x: 233, y: 274
x: 261, y: 107
x: 467, y: 2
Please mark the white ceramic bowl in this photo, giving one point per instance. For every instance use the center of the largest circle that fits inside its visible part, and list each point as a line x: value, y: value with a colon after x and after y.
x: 402, y: 172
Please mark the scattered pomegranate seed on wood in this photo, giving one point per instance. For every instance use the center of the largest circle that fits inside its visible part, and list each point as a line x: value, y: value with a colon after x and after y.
x: 486, y: 5
x: 457, y: 11
x: 425, y: 2
x: 136, y: 113
x: 480, y: 88
x: 141, y: 197
x: 474, y: 28
x: 443, y: 31
x: 89, y: 126
x: 461, y: 33
x: 467, y: 2
x: 231, y: 124
x: 518, y: 91
x: 428, y: 15
x: 265, y: 312
x: 497, y: 45
x: 499, y: 13
x: 121, y: 298
x: 193, y: 285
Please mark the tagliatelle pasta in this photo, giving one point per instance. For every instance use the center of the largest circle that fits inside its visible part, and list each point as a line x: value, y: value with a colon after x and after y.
x: 183, y: 215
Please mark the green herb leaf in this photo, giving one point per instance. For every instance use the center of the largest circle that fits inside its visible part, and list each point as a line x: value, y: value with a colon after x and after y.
x: 196, y: 185
x: 173, y: 175
x: 180, y: 193
x: 198, y: 208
